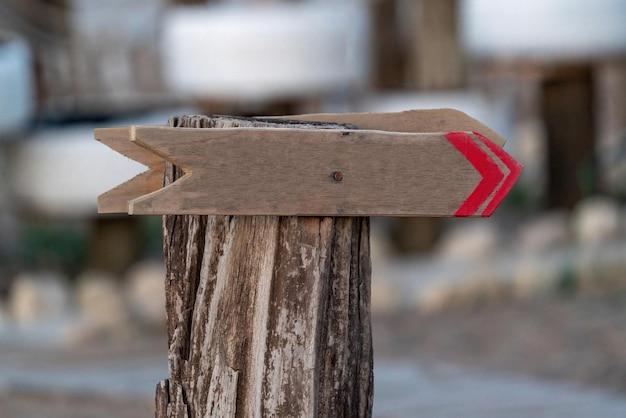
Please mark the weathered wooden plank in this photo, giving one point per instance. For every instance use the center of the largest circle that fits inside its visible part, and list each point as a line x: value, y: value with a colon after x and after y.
x: 417, y: 121
x: 316, y: 172
x: 321, y: 172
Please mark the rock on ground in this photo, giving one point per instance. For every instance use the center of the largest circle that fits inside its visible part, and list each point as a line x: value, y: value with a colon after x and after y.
x: 475, y: 239
x: 545, y: 231
x: 38, y: 297
x: 103, y: 312
x: 597, y: 219
x: 145, y: 292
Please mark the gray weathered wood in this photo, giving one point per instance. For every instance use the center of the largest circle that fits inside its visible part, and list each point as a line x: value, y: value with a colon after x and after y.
x: 417, y: 121
x: 292, y: 172
x: 267, y: 315
x: 416, y: 170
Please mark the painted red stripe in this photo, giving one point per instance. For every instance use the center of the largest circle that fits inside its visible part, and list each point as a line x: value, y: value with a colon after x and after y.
x: 488, y: 169
x: 515, y: 170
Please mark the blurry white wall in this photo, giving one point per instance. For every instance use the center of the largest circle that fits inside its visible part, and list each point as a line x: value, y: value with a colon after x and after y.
x: 265, y: 51
x: 544, y: 28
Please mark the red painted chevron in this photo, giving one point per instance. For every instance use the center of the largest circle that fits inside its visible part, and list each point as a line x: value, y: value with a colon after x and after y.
x: 482, y: 162
x: 515, y: 170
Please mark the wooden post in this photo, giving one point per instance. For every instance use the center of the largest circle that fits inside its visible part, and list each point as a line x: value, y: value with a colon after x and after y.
x: 435, y: 57
x: 267, y: 315
x: 269, y: 312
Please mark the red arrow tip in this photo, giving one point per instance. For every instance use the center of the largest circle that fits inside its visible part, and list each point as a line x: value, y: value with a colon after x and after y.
x: 494, y: 182
x: 515, y: 169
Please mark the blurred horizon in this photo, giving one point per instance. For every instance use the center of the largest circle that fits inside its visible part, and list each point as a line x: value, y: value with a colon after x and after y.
x: 547, y: 75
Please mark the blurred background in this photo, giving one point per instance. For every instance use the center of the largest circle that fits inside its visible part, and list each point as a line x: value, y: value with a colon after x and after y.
x: 516, y: 315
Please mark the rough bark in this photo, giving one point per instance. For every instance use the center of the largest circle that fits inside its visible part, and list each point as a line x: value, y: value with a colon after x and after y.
x: 267, y: 316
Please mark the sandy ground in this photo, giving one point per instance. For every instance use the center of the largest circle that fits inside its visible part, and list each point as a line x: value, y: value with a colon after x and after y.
x: 46, y: 405
x: 569, y: 341
x: 579, y: 339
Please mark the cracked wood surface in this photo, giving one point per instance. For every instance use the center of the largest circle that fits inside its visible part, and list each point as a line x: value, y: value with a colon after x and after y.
x: 268, y: 316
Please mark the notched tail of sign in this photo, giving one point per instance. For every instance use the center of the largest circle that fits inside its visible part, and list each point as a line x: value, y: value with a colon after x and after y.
x: 118, y: 199
x: 415, y: 163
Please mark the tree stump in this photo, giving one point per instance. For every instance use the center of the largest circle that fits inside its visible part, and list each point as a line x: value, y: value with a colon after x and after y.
x: 268, y: 316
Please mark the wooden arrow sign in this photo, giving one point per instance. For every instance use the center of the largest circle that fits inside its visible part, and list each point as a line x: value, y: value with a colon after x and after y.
x: 253, y: 171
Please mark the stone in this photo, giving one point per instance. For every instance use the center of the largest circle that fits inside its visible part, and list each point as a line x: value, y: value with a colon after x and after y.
x: 38, y: 297
x: 103, y: 315
x: 478, y: 290
x: 545, y: 231
x: 435, y: 299
x: 477, y: 239
x: 600, y: 268
x: 384, y: 295
x: 596, y: 220
x: 536, y: 276
x: 145, y: 292
x: 100, y: 299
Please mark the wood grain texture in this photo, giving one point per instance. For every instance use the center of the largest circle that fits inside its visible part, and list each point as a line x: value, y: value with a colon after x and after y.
x: 267, y: 316
x: 417, y: 121
x: 292, y: 172
x: 422, y: 122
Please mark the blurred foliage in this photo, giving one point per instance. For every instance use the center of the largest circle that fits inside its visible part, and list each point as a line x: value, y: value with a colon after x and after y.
x: 567, y: 283
x: 151, y: 236
x: 524, y: 197
x: 59, y: 247
x: 588, y: 179
x: 65, y: 247
x: 521, y: 197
